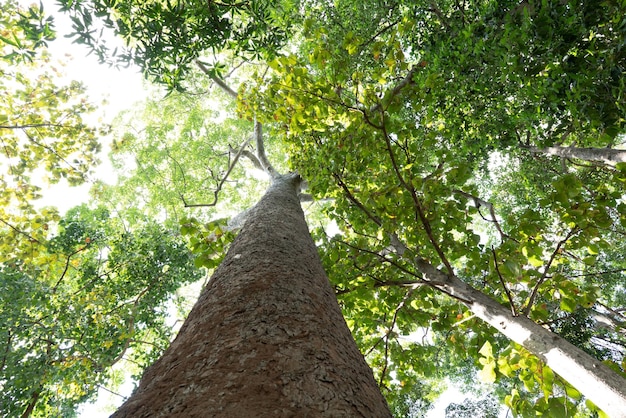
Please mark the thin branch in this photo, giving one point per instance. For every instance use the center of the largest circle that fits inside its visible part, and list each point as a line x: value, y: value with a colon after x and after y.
x: 31, y: 404
x: 232, y: 93
x: 417, y: 203
x: 222, y: 181
x: 506, y: 289
x: 249, y: 155
x: 354, y: 200
x: 260, y: 150
x: 544, y: 276
x: 385, y: 259
x: 54, y: 152
x: 434, y: 9
x: 67, y: 266
x: 390, y: 331
x: 36, y: 125
x: 7, y: 348
x: 408, y: 79
x: 20, y: 231
x: 111, y: 392
x: 478, y: 202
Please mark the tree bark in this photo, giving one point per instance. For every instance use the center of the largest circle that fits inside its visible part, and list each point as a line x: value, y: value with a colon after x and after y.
x: 607, y: 156
x: 266, y: 337
x: 595, y: 380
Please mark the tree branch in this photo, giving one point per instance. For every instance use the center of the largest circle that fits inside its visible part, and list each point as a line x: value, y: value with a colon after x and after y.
x: 544, y: 276
x: 260, y: 150
x: 390, y: 331
x: 421, y: 216
x: 506, y: 289
x: 20, y: 231
x: 222, y: 181
x: 221, y: 84
x: 478, y: 202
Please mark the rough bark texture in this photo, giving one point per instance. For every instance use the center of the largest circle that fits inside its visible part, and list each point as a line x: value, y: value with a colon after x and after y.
x: 607, y: 156
x: 595, y: 380
x: 266, y: 337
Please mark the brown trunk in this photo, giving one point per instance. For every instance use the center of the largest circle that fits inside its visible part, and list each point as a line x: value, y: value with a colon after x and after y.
x: 266, y: 337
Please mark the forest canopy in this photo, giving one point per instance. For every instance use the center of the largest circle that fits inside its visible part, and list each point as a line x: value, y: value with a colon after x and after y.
x: 478, y: 141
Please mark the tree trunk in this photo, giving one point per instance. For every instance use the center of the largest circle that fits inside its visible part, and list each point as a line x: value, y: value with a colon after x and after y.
x: 589, y: 376
x: 607, y: 156
x: 266, y: 337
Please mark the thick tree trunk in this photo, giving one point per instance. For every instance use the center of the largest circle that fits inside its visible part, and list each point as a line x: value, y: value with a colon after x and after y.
x: 607, y: 156
x: 589, y: 376
x: 266, y: 337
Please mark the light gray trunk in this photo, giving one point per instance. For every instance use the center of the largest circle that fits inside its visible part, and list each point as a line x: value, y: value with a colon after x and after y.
x: 589, y: 376
x: 266, y: 337
x: 607, y: 156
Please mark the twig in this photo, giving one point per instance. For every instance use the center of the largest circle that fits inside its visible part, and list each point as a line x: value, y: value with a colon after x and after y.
x: 30, y: 237
x: 506, y: 289
x: 232, y: 93
x: 478, y: 202
x: 354, y: 200
x: 221, y: 183
x: 544, y: 276
x: 390, y: 331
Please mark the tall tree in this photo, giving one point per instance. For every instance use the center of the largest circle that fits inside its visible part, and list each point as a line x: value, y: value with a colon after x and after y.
x: 273, y: 340
x: 399, y: 120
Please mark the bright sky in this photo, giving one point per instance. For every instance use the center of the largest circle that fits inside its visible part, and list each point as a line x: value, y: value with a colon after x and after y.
x: 120, y: 89
x: 110, y: 89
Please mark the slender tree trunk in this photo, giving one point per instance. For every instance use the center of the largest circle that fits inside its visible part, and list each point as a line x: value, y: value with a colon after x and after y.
x: 589, y: 376
x: 266, y: 337
x: 607, y: 156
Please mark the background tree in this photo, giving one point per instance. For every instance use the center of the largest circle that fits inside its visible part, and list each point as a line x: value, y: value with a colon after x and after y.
x: 96, y: 295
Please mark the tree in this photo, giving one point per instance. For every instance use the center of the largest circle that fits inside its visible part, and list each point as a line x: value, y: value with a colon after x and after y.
x: 94, y: 297
x: 275, y: 332
x: 394, y: 115
x: 486, y: 407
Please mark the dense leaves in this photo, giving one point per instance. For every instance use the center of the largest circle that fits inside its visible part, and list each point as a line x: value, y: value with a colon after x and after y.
x: 416, y: 121
x: 165, y: 38
x: 96, y: 295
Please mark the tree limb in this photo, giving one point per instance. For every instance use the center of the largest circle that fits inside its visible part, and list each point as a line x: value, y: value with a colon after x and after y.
x: 222, y: 181
x: 221, y: 84
x: 544, y: 276
x: 260, y: 150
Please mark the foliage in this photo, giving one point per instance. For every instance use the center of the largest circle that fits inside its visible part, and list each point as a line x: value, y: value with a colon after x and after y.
x: 414, y: 118
x: 180, y: 152
x: 487, y: 407
x: 165, y: 38
x: 97, y: 294
x: 44, y: 137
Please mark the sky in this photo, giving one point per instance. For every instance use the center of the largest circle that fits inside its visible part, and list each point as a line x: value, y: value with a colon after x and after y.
x: 120, y: 88
x: 113, y: 90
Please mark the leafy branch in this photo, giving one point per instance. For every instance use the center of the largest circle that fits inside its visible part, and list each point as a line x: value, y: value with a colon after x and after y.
x: 504, y: 286
x: 544, y: 276
x: 221, y: 183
